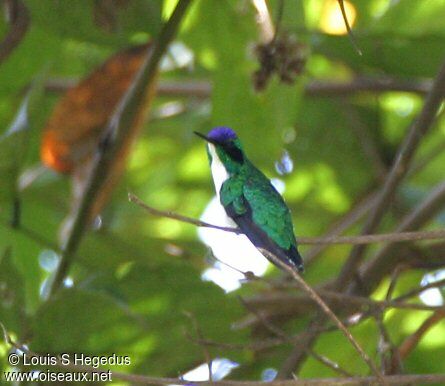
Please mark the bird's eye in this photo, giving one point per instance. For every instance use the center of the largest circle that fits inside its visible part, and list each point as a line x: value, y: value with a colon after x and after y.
x: 234, y: 153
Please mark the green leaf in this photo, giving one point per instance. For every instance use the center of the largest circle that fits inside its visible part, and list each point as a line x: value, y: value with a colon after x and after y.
x: 14, y: 148
x: 390, y: 54
x: 98, y: 21
x: 227, y: 46
x: 83, y: 321
x: 157, y: 296
x: 37, y: 50
x: 13, y: 145
x: 12, y: 295
x: 401, y: 16
x: 26, y: 253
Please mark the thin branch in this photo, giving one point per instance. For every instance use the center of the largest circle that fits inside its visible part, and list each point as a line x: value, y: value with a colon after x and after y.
x: 18, y: 16
x: 147, y: 380
x: 362, y: 207
x: 306, y: 336
x: 413, y: 340
x: 393, y: 282
x: 264, y: 20
x: 286, y: 303
x: 367, y: 142
x: 388, y: 352
x: 402, y: 162
x: 275, y: 330
x: 357, y: 212
x: 330, y: 363
x: 279, y: 18
x: 318, y: 88
x: 200, y: 336
x: 115, y: 135
x: 175, y: 216
x: 417, y: 291
x: 378, y: 238
x: 325, y: 308
x: 348, y: 27
x: 361, y: 300
x: 428, y: 158
x: 385, y: 260
x: 314, y: 88
x: 298, y: 339
x: 265, y: 321
x: 394, y: 380
x: 293, y: 362
x: 363, y: 239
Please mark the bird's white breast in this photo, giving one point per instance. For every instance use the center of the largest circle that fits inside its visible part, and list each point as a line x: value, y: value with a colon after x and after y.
x: 219, y: 172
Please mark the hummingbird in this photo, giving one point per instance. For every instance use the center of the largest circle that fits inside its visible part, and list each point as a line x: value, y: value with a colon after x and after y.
x: 249, y: 198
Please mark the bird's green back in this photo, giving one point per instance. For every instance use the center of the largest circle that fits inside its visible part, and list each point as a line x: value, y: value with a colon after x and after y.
x: 250, y: 187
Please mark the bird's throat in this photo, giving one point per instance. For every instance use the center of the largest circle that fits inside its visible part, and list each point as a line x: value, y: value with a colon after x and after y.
x: 219, y: 171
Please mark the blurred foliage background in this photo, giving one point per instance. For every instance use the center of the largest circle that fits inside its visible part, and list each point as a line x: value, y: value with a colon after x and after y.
x: 338, y: 125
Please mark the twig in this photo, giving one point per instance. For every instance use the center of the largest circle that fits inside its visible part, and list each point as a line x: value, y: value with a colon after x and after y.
x: 319, y: 88
x: 18, y: 16
x: 147, y: 380
x: 417, y: 291
x: 275, y: 330
x: 290, y: 303
x: 315, y: 330
x: 297, y: 339
x: 401, y: 165
x: 378, y: 238
x: 428, y: 158
x: 413, y: 340
x: 279, y: 18
x: 386, y: 259
x: 348, y: 28
x: 367, y: 142
x: 200, y: 336
x: 330, y: 363
x: 175, y: 216
x: 294, y: 360
x: 357, y: 212
x: 393, y: 282
x: 388, y: 352
x: 124, y: 116
x: 362, y: 207
x: 325, y: 308
x: 264, y: 321
x: 315, y: 88
x: 363, y: 239
x: 264, y: 20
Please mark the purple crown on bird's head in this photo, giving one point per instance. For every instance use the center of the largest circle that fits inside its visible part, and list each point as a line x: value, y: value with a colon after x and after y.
x: 221, y: 134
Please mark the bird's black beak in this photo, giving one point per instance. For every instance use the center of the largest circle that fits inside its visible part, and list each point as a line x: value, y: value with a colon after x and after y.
x: 205, y: 137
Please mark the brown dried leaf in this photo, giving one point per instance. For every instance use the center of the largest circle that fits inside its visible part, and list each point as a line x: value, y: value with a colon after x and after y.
x: 78, y: 121
x: 75, y: 126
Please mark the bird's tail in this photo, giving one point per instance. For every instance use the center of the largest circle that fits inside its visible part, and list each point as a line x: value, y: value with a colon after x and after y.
x: 295, y: 258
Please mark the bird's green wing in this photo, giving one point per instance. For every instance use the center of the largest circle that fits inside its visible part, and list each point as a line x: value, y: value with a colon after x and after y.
x: 261, y: 214
x: 232, y: 194
x: 269, y: 210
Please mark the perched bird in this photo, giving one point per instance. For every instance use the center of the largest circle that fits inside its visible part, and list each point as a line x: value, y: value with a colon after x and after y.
x: 249, y: 198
